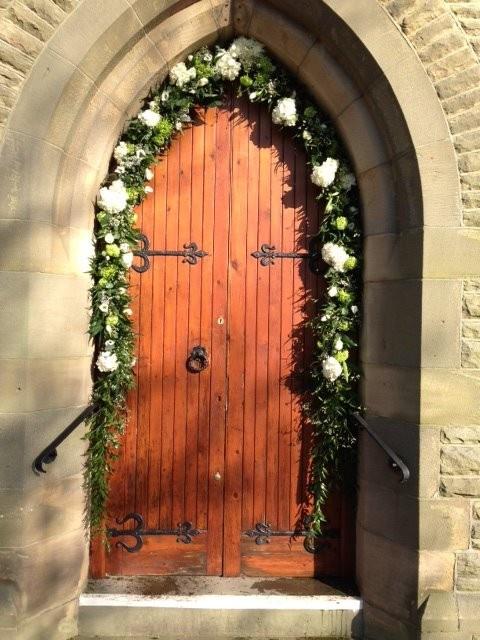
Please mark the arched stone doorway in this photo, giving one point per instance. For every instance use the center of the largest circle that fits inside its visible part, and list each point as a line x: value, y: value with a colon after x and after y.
x: 87, y: 81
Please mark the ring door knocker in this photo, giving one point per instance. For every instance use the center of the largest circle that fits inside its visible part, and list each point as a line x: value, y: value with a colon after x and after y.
x: 197, y: 360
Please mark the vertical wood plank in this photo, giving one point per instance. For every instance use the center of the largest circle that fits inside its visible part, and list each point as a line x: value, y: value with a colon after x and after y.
x: 194, y: 320
x: 182, y: 318
x: 263, y: 283
x: 250, y: 319
x: 274, y: 328
x: 218, y: 359
x: 156, y: 382
x: 236, y: 340
x: 169, y: 344
x: 206, y: 318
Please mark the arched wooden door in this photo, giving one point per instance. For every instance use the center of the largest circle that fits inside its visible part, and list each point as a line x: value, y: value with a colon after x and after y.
x: 226, y: 448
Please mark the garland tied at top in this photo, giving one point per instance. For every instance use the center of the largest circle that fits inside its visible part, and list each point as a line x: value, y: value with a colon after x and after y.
x: 201, y: 81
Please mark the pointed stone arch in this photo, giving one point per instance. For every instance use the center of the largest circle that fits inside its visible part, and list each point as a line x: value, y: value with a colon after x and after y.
x: 87, y: 81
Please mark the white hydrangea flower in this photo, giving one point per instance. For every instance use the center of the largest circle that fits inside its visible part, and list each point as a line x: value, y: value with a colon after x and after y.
x: 107, y: 361
x: 338, y: 345
x: 306, y: 135
x: 180, y: 75
x: 227, y: 66
x: 127, y: 259
x: 331, y: 368
x: 149, y: 117
x: 333, y: 292
x: 109, y: 238
x: 246, y: 50
x: 114, y: 198
x: 324, y: 174
x: 203, y: 82
x: 148, y: 174
x: 285, y: 112
x: 348, y: 181
x: 120, y: 151
x: 334, y: 255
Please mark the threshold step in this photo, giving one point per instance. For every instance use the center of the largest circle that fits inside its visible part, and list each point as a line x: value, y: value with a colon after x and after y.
x: 218, y: 617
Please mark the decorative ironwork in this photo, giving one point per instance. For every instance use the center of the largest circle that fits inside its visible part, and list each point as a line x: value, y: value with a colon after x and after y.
x: 49, y: 454
x: 395, y: 462
x: 191, y: 254
x: 197, y: 360
x: 268, y: 254
x: 262, y: 532
x: 184, y: 532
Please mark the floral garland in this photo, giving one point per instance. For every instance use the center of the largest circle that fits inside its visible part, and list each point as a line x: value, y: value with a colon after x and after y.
x: 201, y: 81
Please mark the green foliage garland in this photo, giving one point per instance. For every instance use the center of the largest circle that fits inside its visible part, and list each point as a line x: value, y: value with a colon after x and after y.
x: 201, y: 81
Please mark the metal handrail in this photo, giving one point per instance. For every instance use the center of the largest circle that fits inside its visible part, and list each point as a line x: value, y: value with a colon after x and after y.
x: 49, y: 454
x: 396, y: 463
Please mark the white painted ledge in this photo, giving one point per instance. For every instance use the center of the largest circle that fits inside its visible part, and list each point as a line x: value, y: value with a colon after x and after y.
x: 225, y: 602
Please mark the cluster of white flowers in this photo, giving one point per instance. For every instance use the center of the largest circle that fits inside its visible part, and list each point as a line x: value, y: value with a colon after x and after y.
x: 324, y: 174
x: 113, y: 199
x: 285, y: 112
x: 348, y: 181
x: 149, y: 117
x: 226, y: 66
x: 334, y: 255
x: 121, y: 151
x: 246, y: 50
x: 331, y: 368
x: 180, y: 75
x: 107, y: 361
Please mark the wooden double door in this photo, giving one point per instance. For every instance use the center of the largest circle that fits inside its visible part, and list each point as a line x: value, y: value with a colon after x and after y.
x: 213, y: 474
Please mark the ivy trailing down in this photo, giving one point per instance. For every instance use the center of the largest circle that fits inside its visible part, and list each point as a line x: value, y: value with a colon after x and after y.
x: 201, y: 81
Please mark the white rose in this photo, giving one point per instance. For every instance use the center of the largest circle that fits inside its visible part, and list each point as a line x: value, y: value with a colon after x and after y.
x: 324, y: 318
x: 334, y: 255
x: 149, y: 117
x: 203, y: 82
x: 107, y: 361
x: 207, y: 56
x: 338, y: 345
x: 246, y: 50
x: 180, y: 75
x: 121, y: 290
x: 109, y: 344
x: 324, y: 174
x: 164, y: 96
x: 148, y: 174
x: 306, y: 135
x: 333, y: 292
x: 109, y: 238
x: 354, y: 308
x: 331, y: 368
x: 127, y: 311
x: 103, y: 307
x: 127, y: 259
x: 114, y: 198
x: 285, y: 112
x: 253, y: 95
x: 124, y: 247
x: 178, y: 125
x: 226, y: 66
x: 120, y: 151
x: 348, y: 180
x: 148, y: 189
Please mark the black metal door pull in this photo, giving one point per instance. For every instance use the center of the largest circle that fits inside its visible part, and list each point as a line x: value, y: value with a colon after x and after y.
x: 198, y: 359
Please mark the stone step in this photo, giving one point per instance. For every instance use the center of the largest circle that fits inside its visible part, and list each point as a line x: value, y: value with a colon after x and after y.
x: 219, y: 617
